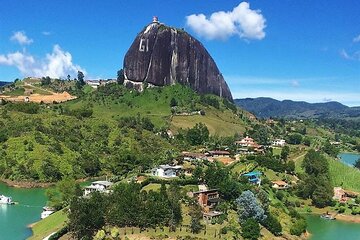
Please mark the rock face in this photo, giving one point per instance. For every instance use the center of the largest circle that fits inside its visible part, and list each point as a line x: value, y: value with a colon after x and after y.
x: 161, y: 55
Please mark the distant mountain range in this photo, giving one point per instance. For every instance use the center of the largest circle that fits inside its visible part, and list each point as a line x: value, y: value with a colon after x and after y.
x: 3, y: 83
x: 267, y: 107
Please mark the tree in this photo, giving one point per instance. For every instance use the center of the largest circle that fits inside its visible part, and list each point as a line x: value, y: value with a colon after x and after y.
x: 198, y: 135
x: 173, y: 102
x: 86, y: 215
x: 197, y: 173
x: 273, y: 225
x: 250, y: 229
x: 307, y: 141
x: 285, y: 152
x: 298, y: 227
x: 330, y: 149
x: 196, y: 215
x: 249, y: 207
x: 316, y: 183
x: 63, y: 193
x: 295, y: 138
x: 120, y: 77
x: 45, y: 81
x: 80, y: 77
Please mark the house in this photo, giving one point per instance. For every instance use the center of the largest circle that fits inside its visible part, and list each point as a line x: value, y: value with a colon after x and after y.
x: 218, y: 153
x: 93, y: 83
x: 191, y: 156
x: 278, y: 143
x: 99, y: 82
x: 167, y: 171
x: 98, y: 186
x: 207, y: 199
x: 253, y: 177
x: 342, y: 195
x: 210, y: 216
x: 246, y: 142
x: 280, y: 185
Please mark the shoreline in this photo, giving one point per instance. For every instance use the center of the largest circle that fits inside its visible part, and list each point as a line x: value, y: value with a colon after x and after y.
x: 26, y: 184
x: 33, y: 184
x: 341, y: 217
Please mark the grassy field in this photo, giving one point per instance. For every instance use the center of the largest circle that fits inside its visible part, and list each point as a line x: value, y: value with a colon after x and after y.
x: 219, y: 123
x: 155, y: 104
x: 341, y: 174
x: 17, y: 92
x: 345, y: 176
x: 48, y: 225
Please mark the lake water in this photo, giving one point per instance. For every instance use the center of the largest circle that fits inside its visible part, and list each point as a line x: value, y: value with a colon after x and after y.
x: 15, y: 218
x: 349, y: 158
x: 322, y: 229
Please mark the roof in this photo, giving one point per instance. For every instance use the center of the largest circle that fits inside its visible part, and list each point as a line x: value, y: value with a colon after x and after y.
x: 192, y: 154
x: 206, y: 191
x: 212, y: 214
x: 166, y: 167
x: 279, y: 183
x: 214, y: 200
x: 219, y: 152
x: 255, y: 173
x: 104, y: 183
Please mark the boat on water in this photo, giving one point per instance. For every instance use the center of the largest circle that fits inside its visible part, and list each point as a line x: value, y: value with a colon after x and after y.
x: 47, y: 211
x: 6, y: 200
x: 327, y: 216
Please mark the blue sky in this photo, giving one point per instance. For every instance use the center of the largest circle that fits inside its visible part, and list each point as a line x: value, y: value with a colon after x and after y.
x: 285, y: 49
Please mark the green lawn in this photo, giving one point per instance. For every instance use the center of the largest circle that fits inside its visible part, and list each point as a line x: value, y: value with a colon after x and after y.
x: 341, y: 174
x: 344, y: 175
x: 221, y: 123
x: 276, y: 151
x: 152, y: 186
x: 48, y: 225
x: 17, y: 92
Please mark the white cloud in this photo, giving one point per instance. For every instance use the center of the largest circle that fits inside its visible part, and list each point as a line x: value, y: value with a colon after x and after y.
x: 357, y: 38
x: 350, y: 56
x: 46, y: 33
x: 241, y: 21
x: 295, y: 83
x: 56, y: 64
x: 21, y: 38
x: 345, y: 55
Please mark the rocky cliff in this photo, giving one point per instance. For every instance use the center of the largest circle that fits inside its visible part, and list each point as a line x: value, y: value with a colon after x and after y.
x: 162, y: 55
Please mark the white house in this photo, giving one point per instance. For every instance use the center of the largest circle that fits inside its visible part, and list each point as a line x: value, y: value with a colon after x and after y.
x: 99, y: 186
x: 167, y: 171
x: 279, y: 142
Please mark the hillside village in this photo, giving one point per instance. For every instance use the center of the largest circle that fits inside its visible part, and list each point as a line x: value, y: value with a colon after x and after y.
x: 163, y: 152
x: 212, y: 180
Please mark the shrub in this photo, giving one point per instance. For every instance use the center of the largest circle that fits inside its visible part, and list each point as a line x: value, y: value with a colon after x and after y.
x: 298, y: 227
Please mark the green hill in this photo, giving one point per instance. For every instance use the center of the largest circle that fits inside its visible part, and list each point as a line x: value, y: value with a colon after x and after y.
x: 108, y: 131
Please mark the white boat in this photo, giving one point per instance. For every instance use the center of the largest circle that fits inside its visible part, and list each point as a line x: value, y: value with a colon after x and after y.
x: 47, y: 211
x: 45, y: 214
x: 5, y: 200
